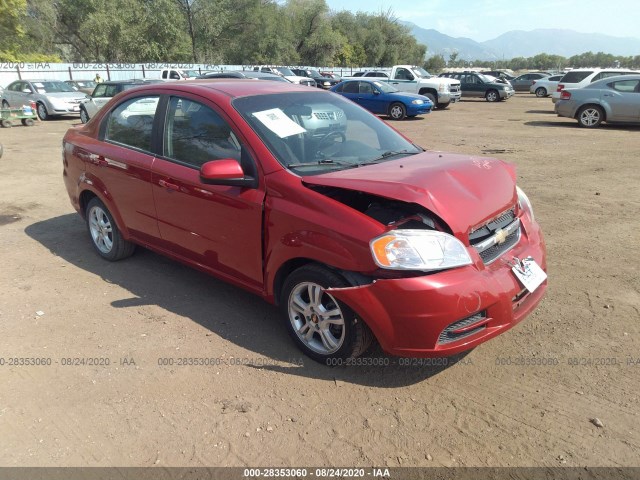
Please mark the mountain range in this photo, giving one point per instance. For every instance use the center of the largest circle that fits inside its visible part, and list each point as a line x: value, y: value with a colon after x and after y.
x: 520, y: 43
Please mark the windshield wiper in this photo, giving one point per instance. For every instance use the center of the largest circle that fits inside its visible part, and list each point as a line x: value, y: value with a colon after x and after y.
x: 325, y: 161
x: 386, y: 156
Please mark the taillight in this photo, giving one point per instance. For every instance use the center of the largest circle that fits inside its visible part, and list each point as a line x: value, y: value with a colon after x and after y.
x: 560, y: 87
x: 565, y: 95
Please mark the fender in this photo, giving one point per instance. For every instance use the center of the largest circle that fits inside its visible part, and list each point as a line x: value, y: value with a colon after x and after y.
x: 89, y: 182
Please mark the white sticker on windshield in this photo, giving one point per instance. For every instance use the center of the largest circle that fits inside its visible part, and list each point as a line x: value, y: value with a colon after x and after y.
x: 39, y: 85
x: 276, y: 121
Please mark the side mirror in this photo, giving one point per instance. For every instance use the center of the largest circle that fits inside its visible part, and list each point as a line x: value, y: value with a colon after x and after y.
x: 226, y: 171
x: 26, y: 90
x: 376, y: 92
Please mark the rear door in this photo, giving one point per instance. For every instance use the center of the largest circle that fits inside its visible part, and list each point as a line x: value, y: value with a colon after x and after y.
x: 218, y: 227
x: 121, y: 164
x: 623, y: 98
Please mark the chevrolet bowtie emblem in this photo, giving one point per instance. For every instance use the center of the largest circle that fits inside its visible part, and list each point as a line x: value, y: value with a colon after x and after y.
x: 501, y: 237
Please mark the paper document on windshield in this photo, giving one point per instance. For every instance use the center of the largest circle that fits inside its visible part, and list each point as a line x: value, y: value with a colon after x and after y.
x: 276, y: 121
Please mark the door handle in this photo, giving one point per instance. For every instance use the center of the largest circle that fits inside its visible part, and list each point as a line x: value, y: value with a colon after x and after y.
x: 395, y: 83
x: 607, y: 95
x: 98, y: 160
x: 168, y: 185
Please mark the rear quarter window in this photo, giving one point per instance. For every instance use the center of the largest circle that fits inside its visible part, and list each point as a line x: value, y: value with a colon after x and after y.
x: 575, y: 77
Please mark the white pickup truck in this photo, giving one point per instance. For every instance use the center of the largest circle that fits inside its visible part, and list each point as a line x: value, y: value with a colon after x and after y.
x: 177, y: 74
x: 410, y: 78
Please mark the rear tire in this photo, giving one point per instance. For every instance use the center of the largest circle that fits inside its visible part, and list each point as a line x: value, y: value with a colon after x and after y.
x: 5, y: 104
x: 6, y: 124
x: 323, y: 327
x: 541, y: 92
x: 28, y: 122
x: 105, y: 235
x: 590, y: 116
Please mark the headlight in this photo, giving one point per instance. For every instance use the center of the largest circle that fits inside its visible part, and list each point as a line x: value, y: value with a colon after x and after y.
x: 417, y: 102
x: 326, y: 83
x: 524, y: 203
x: 425, y: 250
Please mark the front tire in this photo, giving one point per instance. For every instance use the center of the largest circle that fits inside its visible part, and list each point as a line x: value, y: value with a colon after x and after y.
x: 5, y: 104
x: 42, y: 112
x: 105, y: 235
x: 397, y: 111
x: 323, y: 327
x: 442, y: 106
x: 590, y: 116
x: 541, y: 92
x: 492, y: 96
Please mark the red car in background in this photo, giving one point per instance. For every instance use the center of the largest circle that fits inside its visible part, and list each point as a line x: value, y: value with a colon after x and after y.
x: 318, y: 206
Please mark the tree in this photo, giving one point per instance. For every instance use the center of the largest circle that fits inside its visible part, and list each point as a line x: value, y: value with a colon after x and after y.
x: 435, y: 64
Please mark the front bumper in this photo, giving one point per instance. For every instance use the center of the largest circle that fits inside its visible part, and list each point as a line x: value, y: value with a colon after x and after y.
x: 506, y: 93
x: 449, y: 97
x: 409, y: 315
x: 418, y: 109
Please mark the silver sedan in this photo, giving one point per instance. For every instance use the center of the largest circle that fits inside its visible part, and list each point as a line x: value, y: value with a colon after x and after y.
x: 52, y: 97
x: 611, y: 100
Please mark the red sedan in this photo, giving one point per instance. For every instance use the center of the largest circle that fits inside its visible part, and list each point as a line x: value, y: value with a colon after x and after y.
x: 318, y: 206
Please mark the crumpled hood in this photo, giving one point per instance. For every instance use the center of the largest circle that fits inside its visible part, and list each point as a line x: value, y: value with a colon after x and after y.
x: 462, y: 190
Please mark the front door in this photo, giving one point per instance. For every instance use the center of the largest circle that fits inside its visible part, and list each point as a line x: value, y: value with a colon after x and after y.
x: 624, y: 99
x: 218, y: 227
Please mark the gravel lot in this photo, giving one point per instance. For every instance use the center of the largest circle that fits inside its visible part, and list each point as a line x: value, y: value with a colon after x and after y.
x: 530, y: 397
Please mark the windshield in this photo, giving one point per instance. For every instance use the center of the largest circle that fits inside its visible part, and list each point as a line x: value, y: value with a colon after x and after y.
x: 312, y: 133
x: 385, y: 87
x: 422, y: 72
x: 52, y: 87
x: 315, y: 74
x: 191, y: 74
x: 286, y: 71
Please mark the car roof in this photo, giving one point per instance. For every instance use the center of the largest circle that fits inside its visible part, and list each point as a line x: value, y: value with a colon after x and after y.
x: 616, y: 78
x: 231, y: 87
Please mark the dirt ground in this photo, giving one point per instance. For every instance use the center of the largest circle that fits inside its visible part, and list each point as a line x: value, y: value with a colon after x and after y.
x: 529, y: 397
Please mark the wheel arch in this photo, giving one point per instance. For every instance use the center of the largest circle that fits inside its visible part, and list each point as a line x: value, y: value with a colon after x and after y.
x: 88, y: 192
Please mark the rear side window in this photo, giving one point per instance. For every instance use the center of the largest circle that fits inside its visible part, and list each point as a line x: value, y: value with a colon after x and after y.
x: 575, y: 77
x: 350, y: 87
x: 628, y: 86
x: 131, y: 123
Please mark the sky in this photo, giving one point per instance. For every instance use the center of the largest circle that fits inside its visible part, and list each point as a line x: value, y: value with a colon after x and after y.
x: 483, y: 20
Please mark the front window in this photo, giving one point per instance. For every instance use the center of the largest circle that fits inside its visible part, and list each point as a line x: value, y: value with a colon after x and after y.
x: 314, y: 133
x: 196, y: 134
x: 385, y: 87
x: 285, y: 71
x: 422, y: 72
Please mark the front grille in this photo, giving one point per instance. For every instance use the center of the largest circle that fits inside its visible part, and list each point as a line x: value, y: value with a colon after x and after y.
x: 448, y: 335
x: 454, y: 88
x: 492, y: 253
x: 496, y: 237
